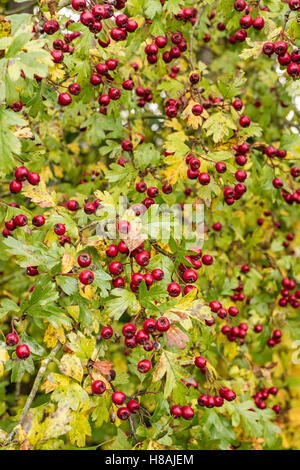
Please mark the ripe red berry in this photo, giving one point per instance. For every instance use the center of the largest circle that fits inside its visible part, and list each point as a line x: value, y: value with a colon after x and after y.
x: 144, y: 366
x: 86, y: 277
x: 207, y: 260
x: 74, y: 89
x: 133, y: 406
x: 187, y: 412
x: 84, y: 260
x: 79, y: 5
x: 237, y: 104
x: 38, y: 220
x: 33, y: 178
x: 240, y: 5
x: 21, y: 173
x: 268, y: 48
x: 51, y: 26
x: 174, y: 289
x: 143, y: 258
x: 200, y: 362
x: 204, y: 179
x: 258, y: 23
x: 194, y: 78
x: 11, y: 339
x: 112, y: 251
x: 22, y: 351
x: 89, y: 208
x: 176, y: 411
x: 115, y: 268
x: 15, y: 186
x: 118, y: 283
x: 127, y: 146
x: 123, y: 413
x: 277, y: 183
x: 162, y: 324
x: 293, y: 70
x: 128, y: 330
x: 244, y: 121
x: 98, y: 387
x: 157, y: 274
x: 106, y: 332
x: 118, y: 398
x: 197, y: 109
x: 149, y: 325
x: 280, y: 47
x: 59, y: 229
x: 64, y: 99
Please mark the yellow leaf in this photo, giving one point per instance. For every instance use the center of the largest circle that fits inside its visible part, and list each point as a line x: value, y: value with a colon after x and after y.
x: 88, y: 292
x: 68, y: 261
x: 23, y: 132
x: 5, y: 27
x: 230, y: 350
x: 52, y: 335
x: 71, y: 365
x: 39, y: 195
x: 80, y: 428
x: 1, y: 369
x: 53, y: 381
x: 58, y: 171
x: 154, y: 445
x: 56, y: 73
x: 74, y: 147
x: 4, y: 356
x: 176, y: 171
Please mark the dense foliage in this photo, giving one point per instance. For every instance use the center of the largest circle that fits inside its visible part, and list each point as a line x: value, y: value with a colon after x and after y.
x: 146, y: 341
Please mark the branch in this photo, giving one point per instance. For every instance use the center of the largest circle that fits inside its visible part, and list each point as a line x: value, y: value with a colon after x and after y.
x: 34, y: 389
x: 133, y: 430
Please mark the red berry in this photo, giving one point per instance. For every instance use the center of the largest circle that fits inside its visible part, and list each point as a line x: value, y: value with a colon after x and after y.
x: 162, y: 324
x: 98, y: 387
x: 244, y: 121
x: 176, y: 411
x: 33, y: 178
x: 128, y: 330
x: 106, y: 332
x: 187, y: 413
x: 133, y: 406
x: 89, y: 208
x: 174, y: 289
x: 144, y: 366
x: 22, y: 351
x: 59, y: 229
x: 84, y: 260
x: 86, y: 277
x: 15, y: 186
x: 123, y: 413
x: 115, y: 268
x: 21, y: 173
x: 11, y: 339
x: 64, y: 99
x: 38, y: 220
x: 200, y: 362
x: 118, y: 398
x: 149, y: 325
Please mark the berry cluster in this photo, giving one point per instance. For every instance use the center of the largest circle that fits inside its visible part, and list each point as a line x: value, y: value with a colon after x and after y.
x: 262, y: 395
x: 237, y: 332
x: 22, y: 350
x: 22, y: 174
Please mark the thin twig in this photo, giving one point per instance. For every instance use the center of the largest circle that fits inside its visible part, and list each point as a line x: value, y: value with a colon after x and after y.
x: 34, y: 389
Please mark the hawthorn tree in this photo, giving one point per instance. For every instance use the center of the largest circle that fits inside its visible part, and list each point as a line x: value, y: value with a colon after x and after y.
x: 135, y: 340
